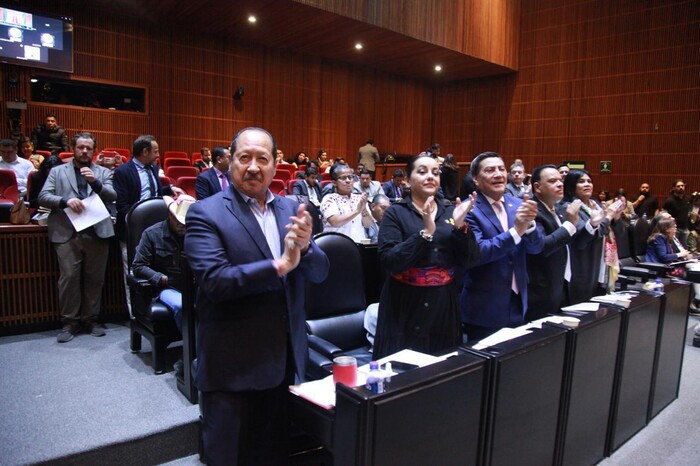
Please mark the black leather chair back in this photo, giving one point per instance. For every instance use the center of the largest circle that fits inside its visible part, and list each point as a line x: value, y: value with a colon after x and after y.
x: 640, y: 234
x: 335, y: 308
x: 623, y: 238
x: 141, y: 216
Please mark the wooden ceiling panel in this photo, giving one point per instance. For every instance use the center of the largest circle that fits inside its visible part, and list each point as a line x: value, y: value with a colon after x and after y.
x: 290, y: 25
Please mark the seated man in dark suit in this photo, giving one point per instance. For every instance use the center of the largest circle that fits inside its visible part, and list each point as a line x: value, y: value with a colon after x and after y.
x: 309, y: 187
x: 396, y: 189
x: 217, y: 178
x: 206, y: 160
x: 157, y: 257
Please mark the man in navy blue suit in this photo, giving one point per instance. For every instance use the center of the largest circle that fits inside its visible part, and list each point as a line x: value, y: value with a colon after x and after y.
x: 309, y: 186
x: 495, y: 290
x: 217, y: 178
x: 135, y: 181
x: 250, y: 252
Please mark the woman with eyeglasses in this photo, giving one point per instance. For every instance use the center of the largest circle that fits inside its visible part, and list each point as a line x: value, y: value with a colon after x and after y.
x: 344, y: 211
x: 423, y: 241
x: 594, y: 260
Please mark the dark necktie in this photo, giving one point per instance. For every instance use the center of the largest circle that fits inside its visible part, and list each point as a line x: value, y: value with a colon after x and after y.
x: 151, y: 183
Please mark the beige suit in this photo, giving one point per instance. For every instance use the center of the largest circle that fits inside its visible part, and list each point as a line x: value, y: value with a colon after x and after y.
x: 82, y: 257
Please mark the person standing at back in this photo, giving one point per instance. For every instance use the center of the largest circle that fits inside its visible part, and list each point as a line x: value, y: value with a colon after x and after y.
x: 369, y: 157
x: 50, y: 136
x: 82, y: 255
x: 678, y: 205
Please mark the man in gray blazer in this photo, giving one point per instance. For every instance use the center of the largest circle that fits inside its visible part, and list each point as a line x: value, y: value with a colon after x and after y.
x: 82, y: 256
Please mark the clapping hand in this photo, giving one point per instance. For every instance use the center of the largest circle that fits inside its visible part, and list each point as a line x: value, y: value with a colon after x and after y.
x: 462, y: 209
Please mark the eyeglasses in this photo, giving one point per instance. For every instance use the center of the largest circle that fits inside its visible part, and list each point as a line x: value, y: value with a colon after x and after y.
x: 345, y: 178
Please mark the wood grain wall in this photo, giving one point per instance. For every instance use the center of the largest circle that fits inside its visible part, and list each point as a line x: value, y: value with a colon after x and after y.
x: 485, y: 29
x: 308, y: 103
x: 597, y: 81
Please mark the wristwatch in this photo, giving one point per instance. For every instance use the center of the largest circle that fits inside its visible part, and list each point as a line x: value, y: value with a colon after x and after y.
x: 426, y: 236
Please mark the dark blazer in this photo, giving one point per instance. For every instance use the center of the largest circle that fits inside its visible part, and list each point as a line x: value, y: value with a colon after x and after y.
x: 208, y: 184
x: 485, y: 299
x: 586, y: 255
x: 390, y: 191
x: 60, y: 186
x: 546, y: 289
x: 246, y: 313
x: 660, y: 251
x: 127, y: 184
x: 300, y: 187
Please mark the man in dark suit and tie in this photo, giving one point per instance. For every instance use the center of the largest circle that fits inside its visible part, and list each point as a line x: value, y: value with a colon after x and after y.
x: 309, y: 187
x: 135, y: 181
x: 395, y: 189
x: 82, y: 256
x: 250, y: 252
x: 217, y: 178
x: 495, y: 290
x: 549, y: 270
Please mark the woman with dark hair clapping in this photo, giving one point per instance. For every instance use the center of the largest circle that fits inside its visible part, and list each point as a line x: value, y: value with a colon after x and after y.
x: 421, y: 243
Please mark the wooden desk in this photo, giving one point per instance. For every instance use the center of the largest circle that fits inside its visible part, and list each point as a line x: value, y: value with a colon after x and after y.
x: 29, y: 282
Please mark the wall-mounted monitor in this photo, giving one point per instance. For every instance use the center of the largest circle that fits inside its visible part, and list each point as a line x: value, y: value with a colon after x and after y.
x: 36, y: 40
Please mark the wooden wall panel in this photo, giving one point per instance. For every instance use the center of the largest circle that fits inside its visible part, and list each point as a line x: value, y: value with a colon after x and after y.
x: 597, y: 80
x: 485, y: 29
x: 307, y: 102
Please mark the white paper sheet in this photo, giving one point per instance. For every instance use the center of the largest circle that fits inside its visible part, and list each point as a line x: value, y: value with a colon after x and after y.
x: 582, y: 307
x: 95, y: 211
x: 502, y: 335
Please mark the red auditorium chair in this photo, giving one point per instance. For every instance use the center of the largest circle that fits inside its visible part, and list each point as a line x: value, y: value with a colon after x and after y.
x: 277, y: 187
x: 285, y: 166
x: 165, y: 181
x: 290, y: 185
x: 283, y: 175
x: 9, y: 193
x: 45, y: 153
x: 175, y: 155
x: 125, y: 153
x: 176, y: 172
x: 66, y: 156
x: 186, y: 183
x: 176, y: 163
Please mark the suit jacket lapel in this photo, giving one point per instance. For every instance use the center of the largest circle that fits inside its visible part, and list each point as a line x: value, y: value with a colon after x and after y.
x: 241, y: 211
x: 485, y: 206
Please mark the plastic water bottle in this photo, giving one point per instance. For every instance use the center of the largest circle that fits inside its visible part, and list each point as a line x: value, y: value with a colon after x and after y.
x: 375, y: 379
x: 658, y: 285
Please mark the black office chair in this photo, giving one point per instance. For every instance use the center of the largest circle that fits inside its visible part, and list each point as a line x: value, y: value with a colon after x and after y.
x: 335, y: 308
x: 629, y: 270
x: 151, y: 319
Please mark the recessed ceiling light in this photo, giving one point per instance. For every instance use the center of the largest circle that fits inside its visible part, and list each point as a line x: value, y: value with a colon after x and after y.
x: 34, y: 80
x: 438, y: 68
x: 252, y: 19
x: 358, y: 46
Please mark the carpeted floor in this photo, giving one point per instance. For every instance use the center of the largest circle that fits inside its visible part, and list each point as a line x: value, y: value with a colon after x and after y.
x: 89, y: 398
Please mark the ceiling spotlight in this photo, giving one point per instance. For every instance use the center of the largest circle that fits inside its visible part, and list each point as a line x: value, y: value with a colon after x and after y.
x: 358, y: 46
x: 438, y: 68
x: 34, y: 80
x: 252, y: 19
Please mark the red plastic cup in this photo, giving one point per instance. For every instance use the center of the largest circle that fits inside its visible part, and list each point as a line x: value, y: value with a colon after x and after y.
x: 345, y: 370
